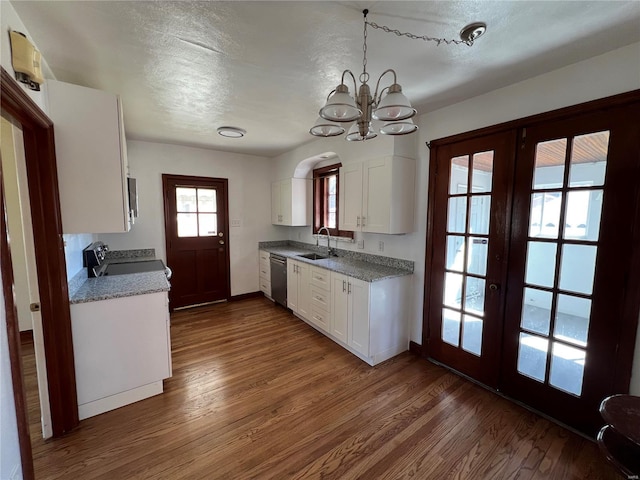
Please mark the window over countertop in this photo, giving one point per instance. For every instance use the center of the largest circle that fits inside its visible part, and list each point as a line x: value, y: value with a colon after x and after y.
x: 326, y: 208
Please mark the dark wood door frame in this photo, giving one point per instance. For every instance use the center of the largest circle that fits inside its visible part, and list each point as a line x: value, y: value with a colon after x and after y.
x: 631, y: 308
x: 44, y: 197
x: 168, y: 221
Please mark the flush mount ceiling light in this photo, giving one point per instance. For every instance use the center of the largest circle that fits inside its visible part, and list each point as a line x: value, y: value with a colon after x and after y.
x: 231, y: 132
x: 393, y: 110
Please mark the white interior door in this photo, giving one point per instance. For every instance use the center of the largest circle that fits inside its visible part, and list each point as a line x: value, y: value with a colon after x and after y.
x: 23, y: 255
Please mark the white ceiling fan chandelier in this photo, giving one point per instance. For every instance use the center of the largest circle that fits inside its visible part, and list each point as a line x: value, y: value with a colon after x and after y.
x: 393, y: 111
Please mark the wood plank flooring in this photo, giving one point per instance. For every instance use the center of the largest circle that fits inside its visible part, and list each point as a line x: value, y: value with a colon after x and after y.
x: 258, y: 394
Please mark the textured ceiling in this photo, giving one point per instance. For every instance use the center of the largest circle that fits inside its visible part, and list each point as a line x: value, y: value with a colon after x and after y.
x: 185, y: 68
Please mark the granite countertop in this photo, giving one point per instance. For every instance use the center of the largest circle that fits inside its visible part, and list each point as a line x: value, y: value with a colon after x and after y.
x: 83, y: 289
x: 351, y: 264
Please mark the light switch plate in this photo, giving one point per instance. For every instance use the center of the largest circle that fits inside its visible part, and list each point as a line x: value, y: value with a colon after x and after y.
x: 236, y: 223
x: 360, y: 243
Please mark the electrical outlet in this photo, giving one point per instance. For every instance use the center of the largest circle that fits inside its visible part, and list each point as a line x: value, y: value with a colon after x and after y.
x: 360, y: 243
x: 299, y: 236
x: 381, y: 246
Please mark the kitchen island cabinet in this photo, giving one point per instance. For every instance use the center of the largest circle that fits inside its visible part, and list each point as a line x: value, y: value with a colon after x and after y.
x: 122, y: 350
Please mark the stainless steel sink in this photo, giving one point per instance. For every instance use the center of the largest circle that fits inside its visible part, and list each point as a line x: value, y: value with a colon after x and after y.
x: 313, y: 256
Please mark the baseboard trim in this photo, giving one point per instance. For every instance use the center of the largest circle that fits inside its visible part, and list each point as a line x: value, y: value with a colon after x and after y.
x: 415, y: 348
x: 244, y: 296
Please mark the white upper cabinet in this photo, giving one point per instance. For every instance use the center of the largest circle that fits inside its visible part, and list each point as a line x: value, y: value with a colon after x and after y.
x: 378, y: 195
x: 291, y: 202
x: 91, y: 158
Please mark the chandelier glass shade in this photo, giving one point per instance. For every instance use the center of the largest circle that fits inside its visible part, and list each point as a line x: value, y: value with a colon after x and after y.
x: 390, y: 107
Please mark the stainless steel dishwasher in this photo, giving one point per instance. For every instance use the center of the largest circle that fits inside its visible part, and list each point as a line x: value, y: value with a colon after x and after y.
x: 279, y: 279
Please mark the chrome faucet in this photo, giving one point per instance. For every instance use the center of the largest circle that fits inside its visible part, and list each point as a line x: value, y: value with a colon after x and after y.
x: 328, y: 240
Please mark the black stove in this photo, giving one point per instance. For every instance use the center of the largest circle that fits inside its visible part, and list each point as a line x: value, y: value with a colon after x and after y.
x: 134, y: 267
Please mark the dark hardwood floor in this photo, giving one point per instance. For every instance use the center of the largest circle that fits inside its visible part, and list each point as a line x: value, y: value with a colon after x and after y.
x: 257, y: 393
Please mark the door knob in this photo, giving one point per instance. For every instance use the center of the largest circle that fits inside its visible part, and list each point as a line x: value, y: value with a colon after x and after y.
x: 494, y: 286
x: 221, y: 242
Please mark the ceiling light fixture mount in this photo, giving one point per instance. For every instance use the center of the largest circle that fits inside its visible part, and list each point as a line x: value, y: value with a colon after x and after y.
x: 231, y: 132
x: 393, y: 109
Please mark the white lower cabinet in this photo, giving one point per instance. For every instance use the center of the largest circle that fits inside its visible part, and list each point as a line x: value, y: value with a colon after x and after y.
x: 368, y: 319
x: 265, y: 273
x: 122, y: 350
x: 298, y: 287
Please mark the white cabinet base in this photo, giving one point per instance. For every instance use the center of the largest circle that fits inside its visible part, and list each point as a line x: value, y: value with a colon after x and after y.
x: 373, y: 360
x: 118, y: 400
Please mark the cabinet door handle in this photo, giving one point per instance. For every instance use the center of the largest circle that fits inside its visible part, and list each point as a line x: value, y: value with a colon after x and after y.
x: 363, y: 221
x: 358, y: 222
x: 344, y: 285
x: 349, y: 288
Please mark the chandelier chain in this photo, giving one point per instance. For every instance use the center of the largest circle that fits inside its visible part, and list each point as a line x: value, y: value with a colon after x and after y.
x: 364, y: 76
x: 412, y: 36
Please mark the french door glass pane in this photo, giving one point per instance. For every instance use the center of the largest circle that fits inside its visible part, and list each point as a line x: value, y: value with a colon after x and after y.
x: 577, y: 268
x: 186, y: 200
x: 472, y: 334
x: 477, y: 261
x: 572, y: 319
x: 187, y: 224
x: 452, y: 289
x: 455, y: 253
x: 480, y: 214
x: 583, y: 214
x: 532, y: 356
x: 208, y: 224
x: 474, y: 297
x: 482, y: 174
x: 536, y: 310
x: 589, y: 159
x: 459, y: 174
x: 207, y: 200
x: 549, y: 163
x: 544, y: 217
x: 451, y: 326
x: 457, y: 215
x: 541, y: 263
x: 567, y: 368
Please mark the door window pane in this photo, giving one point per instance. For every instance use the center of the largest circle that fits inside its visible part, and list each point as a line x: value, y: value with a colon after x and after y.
x: 541, y: 263
x: 187, y: 224
x: 544, y: 218
x: 536, y: 310
x: 206, y: 200
x: 577, y: 268
x: 474, y: 297
x: 457, y: 215
x: 455, y: 253
x: 572, y: 319
x: 532, y: 356
x: 583, y: 214
x: 452, y: 289
x: 472, y: 334
x: 567, y: 368
x: 589, y: 159
x: 208, y: 224
x: 477, y: 261
x: 451, y: 326
x: 482, y: 174
x: 549, y: 163
x: 459, y: 174
x: 186, y: 200
x: 480, y: 214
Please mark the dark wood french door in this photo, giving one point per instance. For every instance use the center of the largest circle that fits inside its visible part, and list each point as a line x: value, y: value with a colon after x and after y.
x: 533, y: 288
x: 196, y: 233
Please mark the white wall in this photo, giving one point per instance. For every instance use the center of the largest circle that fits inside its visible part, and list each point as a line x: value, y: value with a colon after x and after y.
x: 10, y: 462
x: 249, y: 202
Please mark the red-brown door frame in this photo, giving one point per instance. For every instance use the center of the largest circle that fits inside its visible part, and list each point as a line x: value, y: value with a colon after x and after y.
x: 44, y: 197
